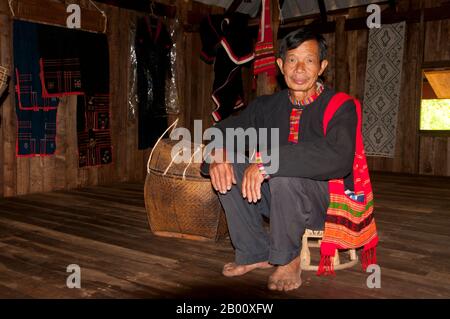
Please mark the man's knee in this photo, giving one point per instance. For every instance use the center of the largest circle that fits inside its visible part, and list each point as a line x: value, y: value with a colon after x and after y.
x: 279, y: 183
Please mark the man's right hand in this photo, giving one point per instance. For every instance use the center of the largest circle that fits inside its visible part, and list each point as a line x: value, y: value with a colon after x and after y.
x: 221, y: 172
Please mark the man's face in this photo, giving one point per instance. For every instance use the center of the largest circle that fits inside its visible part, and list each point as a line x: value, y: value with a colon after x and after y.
x: 301, y: 66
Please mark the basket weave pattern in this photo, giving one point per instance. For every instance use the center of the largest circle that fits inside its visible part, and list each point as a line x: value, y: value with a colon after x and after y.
x: 177, y: 207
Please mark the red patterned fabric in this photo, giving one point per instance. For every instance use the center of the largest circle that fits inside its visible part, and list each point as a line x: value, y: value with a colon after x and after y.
x: 349, y: 223
x: 94, y: 137
x: 296, y: 113
x: 264, y: 52
x: 294, y: 123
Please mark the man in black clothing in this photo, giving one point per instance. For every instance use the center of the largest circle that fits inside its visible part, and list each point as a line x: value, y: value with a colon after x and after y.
x: 296, y: 196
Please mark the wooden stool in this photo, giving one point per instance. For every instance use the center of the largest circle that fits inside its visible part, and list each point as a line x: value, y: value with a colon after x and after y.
x: 305, y: 256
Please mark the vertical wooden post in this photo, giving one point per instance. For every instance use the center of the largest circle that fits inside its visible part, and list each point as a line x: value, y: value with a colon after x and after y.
x: 8, y: 118
x: 419, y: 83
x: 182, y: 13
x: 341, y: 75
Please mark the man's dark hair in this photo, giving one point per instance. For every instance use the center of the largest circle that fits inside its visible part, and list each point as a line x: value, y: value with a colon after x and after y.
x: 297, y: 37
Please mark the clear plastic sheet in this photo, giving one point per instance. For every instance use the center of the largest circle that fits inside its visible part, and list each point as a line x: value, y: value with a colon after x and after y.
x: 172, y: 101
x: 133, y: 99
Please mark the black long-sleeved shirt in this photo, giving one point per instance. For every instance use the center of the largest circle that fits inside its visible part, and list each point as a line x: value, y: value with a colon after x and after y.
x: 315, y: 156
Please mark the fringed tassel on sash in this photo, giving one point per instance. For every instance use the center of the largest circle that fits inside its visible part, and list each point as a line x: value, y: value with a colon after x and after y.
x: 369, y: 254
x: 368, y: 257
x: 326, y: 265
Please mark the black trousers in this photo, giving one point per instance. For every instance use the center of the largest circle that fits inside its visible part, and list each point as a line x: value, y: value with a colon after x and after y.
x: 291, y: 203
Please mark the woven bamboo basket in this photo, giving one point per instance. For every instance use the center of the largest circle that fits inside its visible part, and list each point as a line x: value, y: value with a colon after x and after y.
x: 181, y: 206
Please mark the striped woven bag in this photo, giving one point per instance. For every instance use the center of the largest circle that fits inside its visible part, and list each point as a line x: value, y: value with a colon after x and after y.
x: 349, y: 223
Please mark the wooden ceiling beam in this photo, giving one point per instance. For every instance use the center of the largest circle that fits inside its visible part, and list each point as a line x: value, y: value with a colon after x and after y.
x: 54, y: 13
x: 159, y: 9
x: 323, y: 10
x: 387, y: 17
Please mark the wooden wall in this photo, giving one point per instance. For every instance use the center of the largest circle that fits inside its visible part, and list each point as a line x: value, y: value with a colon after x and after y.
x: 416, y: 152
x: 41, y: 174
x: 434, y: 151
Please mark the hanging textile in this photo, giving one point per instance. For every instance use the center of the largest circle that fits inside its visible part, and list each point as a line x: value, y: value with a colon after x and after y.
x: 51, y: 62
x: 172, y: 101
x: 36, y: 114
x: 264, y: 51
x: 93, y: 107
x: 60, y: 69
x: 94, y: 138
x: 75, y: 62
x: 226, y: 42
x: 382, y: 88
x: 132, y: 77
x: 153, y: 44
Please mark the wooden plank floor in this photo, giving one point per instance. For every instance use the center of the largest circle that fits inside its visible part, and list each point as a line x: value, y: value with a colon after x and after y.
x: 104, y: 230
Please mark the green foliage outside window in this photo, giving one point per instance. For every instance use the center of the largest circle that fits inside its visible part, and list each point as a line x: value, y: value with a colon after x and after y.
x: 435, y: 115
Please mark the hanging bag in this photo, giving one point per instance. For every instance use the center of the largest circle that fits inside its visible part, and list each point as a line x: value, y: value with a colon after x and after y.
x: 349, y: 223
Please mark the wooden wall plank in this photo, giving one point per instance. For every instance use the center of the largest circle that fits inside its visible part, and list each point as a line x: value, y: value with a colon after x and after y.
x: 61, y: 142
x: 71, y: 156
x: 448, y: 157
x: 195, y: 98
x: 362, y: 44
x: 48, y: 173
x: 4, y: 25
x: 431, y: 40
x: 134, y: 161
x: 341, y: 74
x: 352, y: 54
x: 188, y: 80
x: 23, y: 178
x: 329, y: 72
x: 440, y: 156
x: 426, y: 155
x: 8, y: 117
x: 54, y: 13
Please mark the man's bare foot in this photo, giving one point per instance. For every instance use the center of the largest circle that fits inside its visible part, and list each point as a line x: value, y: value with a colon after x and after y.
x: 286, y: 277
x: 232, y: 269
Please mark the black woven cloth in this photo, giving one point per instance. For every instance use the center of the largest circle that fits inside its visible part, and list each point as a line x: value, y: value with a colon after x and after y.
x: 153, y: 44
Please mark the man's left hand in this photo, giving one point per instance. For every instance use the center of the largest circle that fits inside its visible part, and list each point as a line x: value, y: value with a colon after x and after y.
x: 251, y: 183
